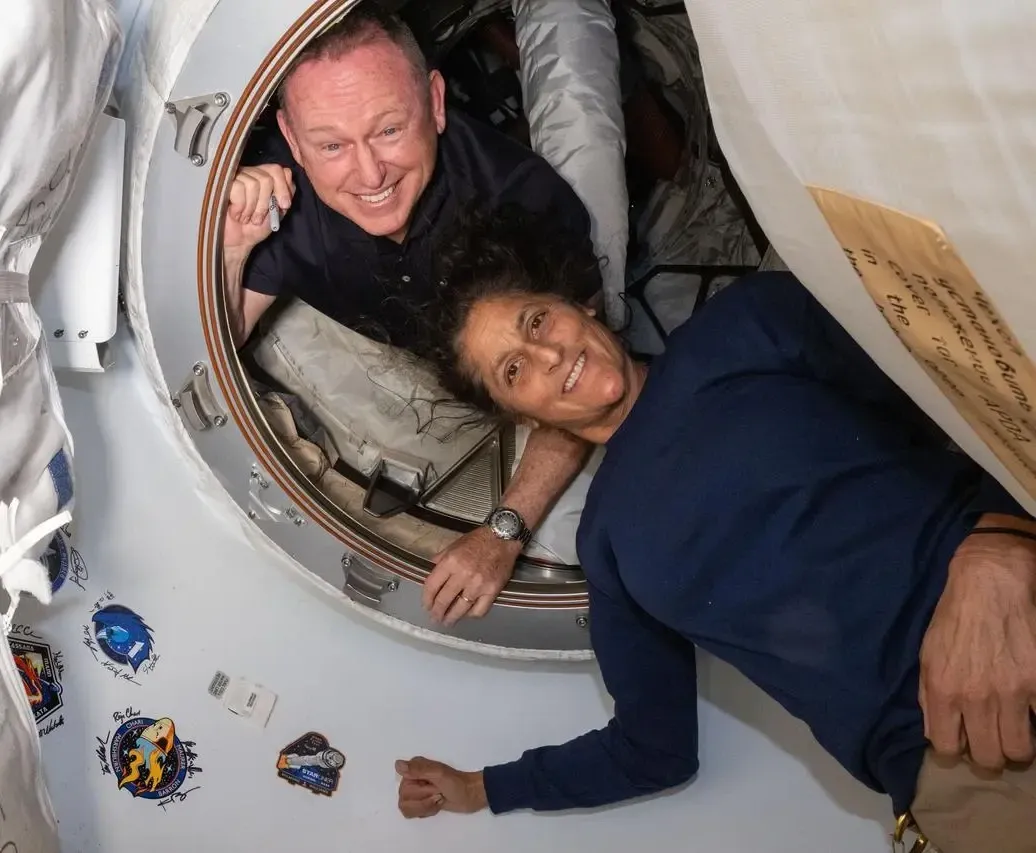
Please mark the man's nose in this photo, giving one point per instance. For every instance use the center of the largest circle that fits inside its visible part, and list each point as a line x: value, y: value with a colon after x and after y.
x: 369, y: 167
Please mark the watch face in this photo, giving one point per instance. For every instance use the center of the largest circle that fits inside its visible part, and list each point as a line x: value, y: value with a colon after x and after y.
x: 505, y: 523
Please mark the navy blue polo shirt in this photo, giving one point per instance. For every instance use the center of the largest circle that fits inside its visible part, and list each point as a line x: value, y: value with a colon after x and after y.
x: 374, y: 285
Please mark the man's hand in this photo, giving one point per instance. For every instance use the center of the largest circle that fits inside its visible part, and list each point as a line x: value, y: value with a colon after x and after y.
x: 978, y: 658
x: 469, y: 575
x: 428, y: 787
x: 248, y: 211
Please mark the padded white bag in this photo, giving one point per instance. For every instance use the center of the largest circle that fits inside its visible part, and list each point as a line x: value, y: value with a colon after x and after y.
x: 57, y: 63
x: 887, y: 150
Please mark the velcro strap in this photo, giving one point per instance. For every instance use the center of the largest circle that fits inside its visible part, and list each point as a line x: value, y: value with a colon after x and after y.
x: 14, y: 287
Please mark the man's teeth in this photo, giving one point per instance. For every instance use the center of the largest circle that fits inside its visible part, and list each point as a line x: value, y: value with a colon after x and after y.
x: 577, y: 371
x: 384, y: 194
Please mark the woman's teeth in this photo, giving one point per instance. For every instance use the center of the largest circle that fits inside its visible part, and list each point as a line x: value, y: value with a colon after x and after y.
x: 577, y: 371
x: 384, y: 194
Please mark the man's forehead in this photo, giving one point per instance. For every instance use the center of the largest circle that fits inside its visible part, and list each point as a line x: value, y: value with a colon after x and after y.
x: 379, y: 68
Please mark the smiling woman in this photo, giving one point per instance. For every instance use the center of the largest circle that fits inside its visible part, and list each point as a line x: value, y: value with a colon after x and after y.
x: 771, y: 497
x: 529, y: 347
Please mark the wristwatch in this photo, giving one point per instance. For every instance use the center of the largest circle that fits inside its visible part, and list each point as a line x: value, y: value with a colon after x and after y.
x: 507, y: 524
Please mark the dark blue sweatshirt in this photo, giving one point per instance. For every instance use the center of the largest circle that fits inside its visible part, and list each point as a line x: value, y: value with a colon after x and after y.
x: 776, y: 500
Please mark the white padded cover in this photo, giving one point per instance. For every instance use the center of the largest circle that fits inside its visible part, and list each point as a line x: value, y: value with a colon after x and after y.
x: 57, y: 61
x: 925, y: 107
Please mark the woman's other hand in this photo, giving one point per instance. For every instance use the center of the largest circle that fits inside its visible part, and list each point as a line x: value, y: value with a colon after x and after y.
x: 429, y: 787
x: 978, y: 659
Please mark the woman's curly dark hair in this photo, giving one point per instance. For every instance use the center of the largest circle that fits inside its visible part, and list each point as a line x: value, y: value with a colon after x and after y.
x: 491, y: 253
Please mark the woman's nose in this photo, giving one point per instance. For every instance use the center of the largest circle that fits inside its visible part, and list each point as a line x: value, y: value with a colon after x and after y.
x: 548, y: 356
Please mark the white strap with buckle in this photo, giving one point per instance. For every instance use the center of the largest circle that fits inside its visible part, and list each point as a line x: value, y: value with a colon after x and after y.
x: 19, y: 573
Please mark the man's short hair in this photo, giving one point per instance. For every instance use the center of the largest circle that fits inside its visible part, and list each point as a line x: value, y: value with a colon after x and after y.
x: 368, y: 24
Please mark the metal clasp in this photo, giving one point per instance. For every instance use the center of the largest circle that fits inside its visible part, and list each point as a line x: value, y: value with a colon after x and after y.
x: 906, y: 823
x: 365, y: 584
x: 194, y: 119
x: 257, y: 488
x: 196, y: 402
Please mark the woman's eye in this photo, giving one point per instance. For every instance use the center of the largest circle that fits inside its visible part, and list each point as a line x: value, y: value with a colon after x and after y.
x: 536, y: 322
x: 511, y: 373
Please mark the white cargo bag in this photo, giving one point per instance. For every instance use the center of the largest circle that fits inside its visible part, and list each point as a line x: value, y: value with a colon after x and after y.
x: 887, y: 150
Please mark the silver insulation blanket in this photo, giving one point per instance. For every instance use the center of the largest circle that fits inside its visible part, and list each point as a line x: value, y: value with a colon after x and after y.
x: 570, y: 87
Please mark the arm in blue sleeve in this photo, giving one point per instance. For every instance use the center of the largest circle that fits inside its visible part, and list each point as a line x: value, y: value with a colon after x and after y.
x: 650, y: 744
x: 822, y: 348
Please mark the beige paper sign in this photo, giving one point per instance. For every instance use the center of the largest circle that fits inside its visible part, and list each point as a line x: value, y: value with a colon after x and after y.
x: 946, y: 321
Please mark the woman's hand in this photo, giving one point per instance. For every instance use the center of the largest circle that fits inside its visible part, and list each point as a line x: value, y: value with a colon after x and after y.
x: 978, y: 658
x: 429, y: 787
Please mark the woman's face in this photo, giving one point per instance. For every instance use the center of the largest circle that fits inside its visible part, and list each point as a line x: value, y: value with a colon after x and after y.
x: 547, y: 360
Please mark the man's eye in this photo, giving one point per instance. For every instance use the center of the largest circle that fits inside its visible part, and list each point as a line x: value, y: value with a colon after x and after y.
x: 331, y: 147
x: 511, y: 373
x: 390, y: 131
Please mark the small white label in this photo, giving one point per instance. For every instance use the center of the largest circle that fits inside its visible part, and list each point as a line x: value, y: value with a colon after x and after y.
x: 251, y: 701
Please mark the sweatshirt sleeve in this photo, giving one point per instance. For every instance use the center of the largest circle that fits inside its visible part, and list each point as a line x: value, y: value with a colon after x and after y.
x: 650, y: 744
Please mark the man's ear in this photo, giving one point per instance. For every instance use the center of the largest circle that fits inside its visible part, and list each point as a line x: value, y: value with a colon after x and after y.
x: 437, y: 93
x: 284, y: 123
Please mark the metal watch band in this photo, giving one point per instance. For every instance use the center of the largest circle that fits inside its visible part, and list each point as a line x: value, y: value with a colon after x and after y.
x: 523, y: 535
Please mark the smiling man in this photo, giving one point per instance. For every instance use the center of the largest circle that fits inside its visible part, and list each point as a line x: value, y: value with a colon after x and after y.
x: 368, y: 172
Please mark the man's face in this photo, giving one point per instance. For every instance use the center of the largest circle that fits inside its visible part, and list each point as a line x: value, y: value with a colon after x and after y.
x: 366, y: 132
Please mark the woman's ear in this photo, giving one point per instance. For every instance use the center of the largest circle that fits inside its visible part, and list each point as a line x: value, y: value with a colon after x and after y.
x: 594, y: 304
